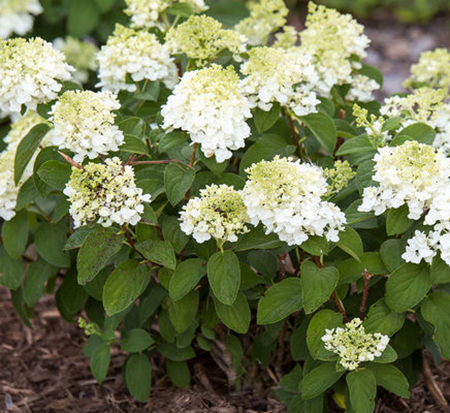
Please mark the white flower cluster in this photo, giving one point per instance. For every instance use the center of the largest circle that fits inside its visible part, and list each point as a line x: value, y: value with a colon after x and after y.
x: 286, y: 197
x: 210, y: 105
x: 353, y: 345
x: 266, y: 16
x: 31, y: 71
x: 146, y: 14
x: 105, y: 193
x: 279, y: 75
x: 432, y: 69
x: 411, y: 174
x: 202, y: 38
x: 362, y: 88
x: 219, y: 212
x: 17, y: 16
x: 8, y: 190
x: 135, y: 53
x: 81, y: 55
x: 84, y: 123
x: 334, y: 40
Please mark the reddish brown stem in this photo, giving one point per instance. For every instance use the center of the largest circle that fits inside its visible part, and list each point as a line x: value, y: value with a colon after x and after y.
x: 166, y: 161
x: 294, y: 136
x: 362, y: 308
x: 71, y: 161
x: 339, y: 307
x: 191, y: 165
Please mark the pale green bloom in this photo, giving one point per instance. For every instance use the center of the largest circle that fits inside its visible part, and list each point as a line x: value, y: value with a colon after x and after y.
x: 81, y: 55
x: 219, y: 213
x: 202, y: 38
x: 433, y: 68
x: 266, y: 16
x: 373, y: 126
x: 105, y: 193
x: 287, y: 38
x: 353, y: 345
x: 338, y: 176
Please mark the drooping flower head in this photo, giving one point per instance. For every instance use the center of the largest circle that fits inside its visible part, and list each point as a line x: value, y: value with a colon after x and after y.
x: 353, y: 345
x: 17, y: 16
x: 333, y: 39
x: 31, y: 71
x: 210, y: 105
x: 84, y: 123
x: 279, y: 75
x: 286, y: 197
x: 202, y: 38
x: 81, y: 55
x: 266, y: 16
x: 136, y: 53
x: 410, y: 174
x: 218, y: 212
x: 432, y: 69
x: 146, y: 14
x: 105, y: 193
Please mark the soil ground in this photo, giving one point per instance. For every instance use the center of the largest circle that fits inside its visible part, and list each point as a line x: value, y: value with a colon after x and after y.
x: 43, y: 370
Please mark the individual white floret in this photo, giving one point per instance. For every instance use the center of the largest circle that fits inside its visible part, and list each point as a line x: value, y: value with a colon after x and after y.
x: 134, y: 53
x: 105, y: 193
x: 210, y: 105
x: 421, y: 247
x: 362, y: 88
x: 218, y: 212
x: 410, y: 174
x: 17, y: 16
x: 286, y: 197
x: 31, y: 72
x: 283, y: 76
x: 353, y: 345
x: 84, y: 123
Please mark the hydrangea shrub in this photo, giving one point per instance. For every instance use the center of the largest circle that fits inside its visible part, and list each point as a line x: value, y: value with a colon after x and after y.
x: 232, y: 192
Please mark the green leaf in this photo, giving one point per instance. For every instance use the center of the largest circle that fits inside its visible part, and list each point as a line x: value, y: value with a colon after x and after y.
x: 439, y: 271
x: 104, y: 5
x: 50, y: 240
x: 317, y: 285
x: 96, y: 251
x: 100, y: 362
x: 397, y: 221
x: 179, y: 374
x: 133, y: 126
x: 323, y: 129
x: 351, y: 270
x: 38, y: 273
x: 177, y: 181
x: 138, y: 376
x: 71, y: 297
x: 55, y: 174
x: 362, y: 387
x: 415, y: 132
x: 26, y: 149
x: 435, y: 310
x: 180, y: 9
x: 391, y: 252
x: 211, y: 163
x: 15, y: 235
x: 407, y: 286
x: 372, y: 73
x: 381, y: 319
x: 150, y: 93
x: 389, y: 355
x: 183, y: 312
x: 11, y: 271
x: 136, y: 340
x: 264, y: 120
x: 265, y: 148
x: 124, y: 285
x: 358, y: 144
x: 159, y: 252
x: 256, y: 239
x: 185, y: 277
x: 391, y: 378
x: 224, y: 276
x: 77, y: 238
x: 83, y: 17
x: 324, y: 319
x: 171, y: 352
x: 173, y: 234
x: 351, y: 243
x: 133, y: 144
x: 318, y: 380
x: 280, y: 301
x: 315, y: 245
x: 236, y: 316
x: 27, y: 194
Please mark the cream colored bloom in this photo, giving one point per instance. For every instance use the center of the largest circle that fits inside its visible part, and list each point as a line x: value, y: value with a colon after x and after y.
x: 17, y: 16
x: 105, y: 193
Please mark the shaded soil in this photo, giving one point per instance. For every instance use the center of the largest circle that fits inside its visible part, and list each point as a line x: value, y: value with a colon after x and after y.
x: 44, y: 370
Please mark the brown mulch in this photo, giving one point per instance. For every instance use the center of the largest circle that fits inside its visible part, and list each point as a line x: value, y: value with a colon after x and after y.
x: 44, y: 370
